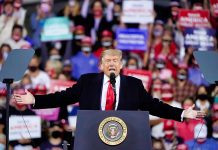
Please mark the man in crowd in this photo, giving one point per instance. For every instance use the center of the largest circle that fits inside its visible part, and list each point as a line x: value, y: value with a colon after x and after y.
x: 95, y: 92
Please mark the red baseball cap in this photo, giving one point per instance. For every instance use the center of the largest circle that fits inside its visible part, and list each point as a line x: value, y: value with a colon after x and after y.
x: 168, y: 125
x: 40, y: 89
x: 86, y: 40
x: 106, y: 33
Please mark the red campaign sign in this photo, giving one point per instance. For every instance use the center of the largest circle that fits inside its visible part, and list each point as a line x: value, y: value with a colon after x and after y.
x: 145, y: 76
x: 214, y: 6
x: 194, y: 18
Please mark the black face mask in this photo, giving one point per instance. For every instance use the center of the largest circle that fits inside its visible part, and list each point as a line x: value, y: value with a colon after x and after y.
x: 56, y: 134
x: 33, y: 68
x: 202, y: 97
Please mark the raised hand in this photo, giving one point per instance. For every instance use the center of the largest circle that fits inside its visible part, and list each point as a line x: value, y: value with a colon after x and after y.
x: 193, y: 114
x: 27, y: 98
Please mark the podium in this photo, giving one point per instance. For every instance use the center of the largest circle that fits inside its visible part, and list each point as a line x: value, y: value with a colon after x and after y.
x: 112, y: 130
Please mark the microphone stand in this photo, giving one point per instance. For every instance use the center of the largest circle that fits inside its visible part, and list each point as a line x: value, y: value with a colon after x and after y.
x: 8, y: 83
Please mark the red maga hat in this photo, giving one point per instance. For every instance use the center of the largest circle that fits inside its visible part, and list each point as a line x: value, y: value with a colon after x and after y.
x: 168, y: 125
x: 106, y: 33
x: 86, y: 40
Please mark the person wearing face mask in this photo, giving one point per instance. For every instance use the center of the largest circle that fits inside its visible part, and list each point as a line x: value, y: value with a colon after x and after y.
x: 158, y: 29
x: 132, y: 63
x: 19, y: 12
x: 168, y: 49
x: 37, y: 76
x: 170, y: 140
x: 55, y: 139
x: 79, y: 34
x: 84, y: 61
x: 106, y: 42
x: 7, y: 21
x: 20, y: 110
x: 202, y: 102
x: 96, y: 21
x: 174, y: 8
x: 166, y: 95
x: 43, y: 11
x: 72, y: 11
x: 200, y: 140
x: 161, y: 71
x: 186, y: 129
x: 17, y: 41
x: 183, y: 88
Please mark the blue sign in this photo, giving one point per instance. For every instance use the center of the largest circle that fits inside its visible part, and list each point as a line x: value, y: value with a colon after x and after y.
x: 131, y: 39
x: 202, y: 39
x: 56, y: 29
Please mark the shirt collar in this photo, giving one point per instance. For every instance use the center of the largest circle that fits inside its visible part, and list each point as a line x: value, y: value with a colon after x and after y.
x: 106, y: 79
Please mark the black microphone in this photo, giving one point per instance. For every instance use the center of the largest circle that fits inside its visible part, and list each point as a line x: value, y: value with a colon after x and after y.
x: 113, y: 81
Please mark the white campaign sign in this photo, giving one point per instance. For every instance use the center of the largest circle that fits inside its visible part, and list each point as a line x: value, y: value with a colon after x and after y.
x: 138, y: 11
x: 18, y: 130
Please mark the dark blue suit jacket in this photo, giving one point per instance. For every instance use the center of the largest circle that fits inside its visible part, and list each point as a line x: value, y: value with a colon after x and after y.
x: 88, y: 91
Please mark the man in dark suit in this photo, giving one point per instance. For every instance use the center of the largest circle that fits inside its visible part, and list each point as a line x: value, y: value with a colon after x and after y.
x: 93, y: 92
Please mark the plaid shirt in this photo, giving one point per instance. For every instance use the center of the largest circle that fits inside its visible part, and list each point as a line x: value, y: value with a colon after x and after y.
x: 188, y: 90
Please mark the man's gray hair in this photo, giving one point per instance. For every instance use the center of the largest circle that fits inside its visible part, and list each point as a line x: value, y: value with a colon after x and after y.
x: 111, y: 52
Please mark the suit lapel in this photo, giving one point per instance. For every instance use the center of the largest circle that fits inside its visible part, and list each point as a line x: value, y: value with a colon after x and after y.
x: 122, y: 93
x: 97, y: 90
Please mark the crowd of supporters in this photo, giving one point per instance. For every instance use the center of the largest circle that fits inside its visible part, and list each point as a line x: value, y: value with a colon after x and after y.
x: 176, y: 78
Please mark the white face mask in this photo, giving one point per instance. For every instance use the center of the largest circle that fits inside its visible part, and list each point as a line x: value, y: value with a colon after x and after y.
x: 86, y: 49
x: 106, y: 43
x: 55, y: 57
x: 5, y: 55
x: 132, y: 67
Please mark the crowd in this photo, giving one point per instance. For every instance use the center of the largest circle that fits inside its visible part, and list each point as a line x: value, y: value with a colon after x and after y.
x: 176, y: 78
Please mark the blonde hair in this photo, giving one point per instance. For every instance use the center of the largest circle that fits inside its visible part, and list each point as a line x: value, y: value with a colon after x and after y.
x: 111, y: 52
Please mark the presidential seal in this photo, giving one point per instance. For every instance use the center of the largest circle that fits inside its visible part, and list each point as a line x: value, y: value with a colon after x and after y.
x: 112, y: 131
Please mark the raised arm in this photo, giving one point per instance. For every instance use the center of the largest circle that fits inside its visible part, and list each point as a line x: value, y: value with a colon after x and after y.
x: 69, y: 96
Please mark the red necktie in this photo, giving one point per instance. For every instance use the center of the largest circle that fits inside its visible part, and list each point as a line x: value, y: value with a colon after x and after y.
x: 110, y: 98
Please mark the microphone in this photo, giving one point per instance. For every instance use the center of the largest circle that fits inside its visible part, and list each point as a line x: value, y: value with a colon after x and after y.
x: 112, y: 79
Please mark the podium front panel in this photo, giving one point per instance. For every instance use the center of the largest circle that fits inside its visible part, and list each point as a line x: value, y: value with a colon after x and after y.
x: 138, y: 130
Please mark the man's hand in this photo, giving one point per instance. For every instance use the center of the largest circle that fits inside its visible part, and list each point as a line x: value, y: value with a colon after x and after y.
x: 193, y: 114
x: 27, y: 98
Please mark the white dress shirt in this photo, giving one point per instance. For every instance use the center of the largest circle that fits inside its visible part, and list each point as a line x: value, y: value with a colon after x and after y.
x: 104, y: 91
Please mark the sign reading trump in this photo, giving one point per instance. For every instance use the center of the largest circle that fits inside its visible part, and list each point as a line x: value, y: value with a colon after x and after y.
x: 140, y: 11
x: 194, y: 18
x: 25, y: 127
x: 131, y: 39
x: 200, y: 38
x: 145, y: 76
